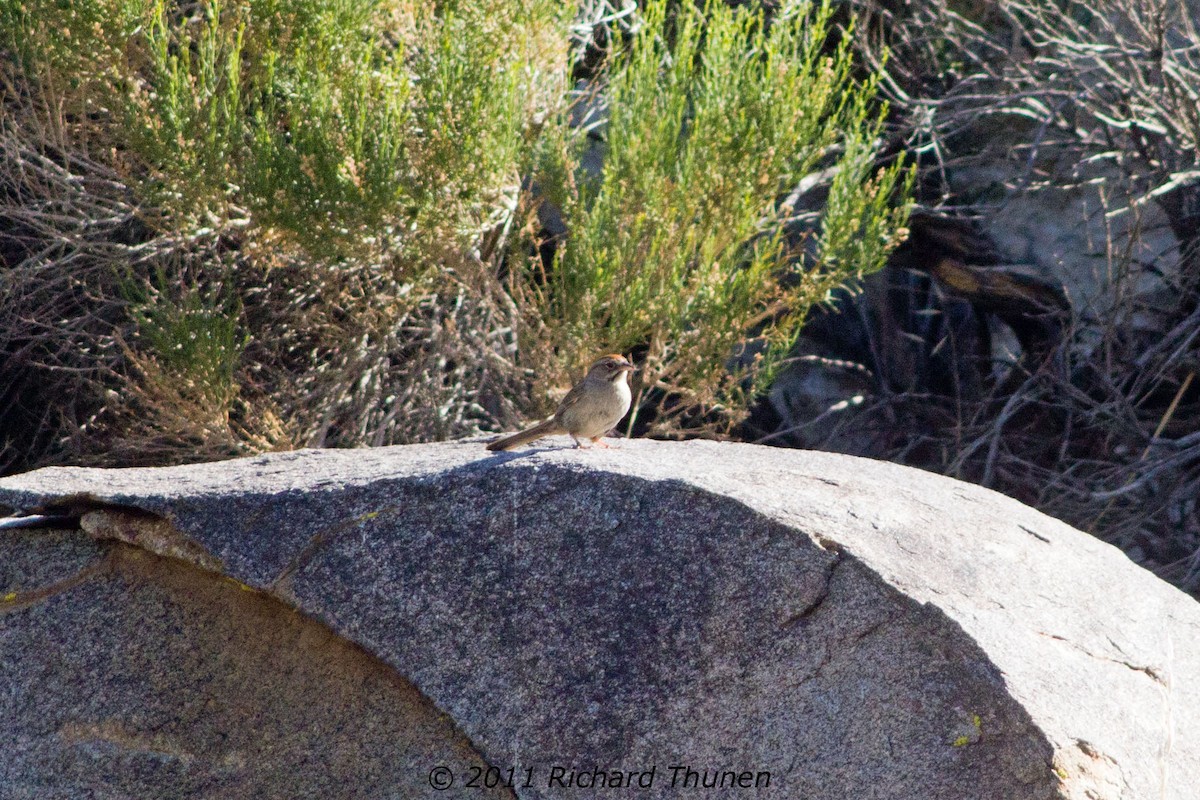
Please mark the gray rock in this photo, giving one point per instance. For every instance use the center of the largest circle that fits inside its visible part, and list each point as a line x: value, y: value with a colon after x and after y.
x: 129, y: 675
x: 1117, y: 260
x: 850, y: 628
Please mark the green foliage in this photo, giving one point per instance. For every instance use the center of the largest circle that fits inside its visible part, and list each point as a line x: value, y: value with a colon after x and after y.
x: 76, y: 42
x: 330, y: 163
x: 303, y: 207
x: 195, y: 338
x: 341, y: 127
x: 185, y: 116
x: 329, y: 131
x: 681, y: 245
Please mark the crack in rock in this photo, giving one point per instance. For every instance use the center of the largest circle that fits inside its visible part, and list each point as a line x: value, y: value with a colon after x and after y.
x: 149, y: 532
x: 280, y: 584
x: 1152, y: 672
x: 1034, y: 533
x: 821, y: 595
x: 23, y: 599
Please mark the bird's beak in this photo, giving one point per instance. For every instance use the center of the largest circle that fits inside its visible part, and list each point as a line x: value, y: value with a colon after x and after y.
x: 629, y: 368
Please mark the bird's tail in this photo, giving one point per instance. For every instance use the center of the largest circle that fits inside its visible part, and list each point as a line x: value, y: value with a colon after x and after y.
x: 545, y: 428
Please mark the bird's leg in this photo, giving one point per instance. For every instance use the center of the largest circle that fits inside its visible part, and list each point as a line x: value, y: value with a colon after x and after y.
x: 596, y: 440
x: 578, y: 444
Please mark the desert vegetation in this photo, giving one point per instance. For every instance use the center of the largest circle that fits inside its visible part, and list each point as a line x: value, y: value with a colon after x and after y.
x: 229, y: 227
x: 243, y: 226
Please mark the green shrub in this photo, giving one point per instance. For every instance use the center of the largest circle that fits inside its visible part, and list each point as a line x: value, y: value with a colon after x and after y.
x: 346, y: 128
x: 195, y: 337
x: 682, y: 246
x: 260, y: 224
x: 332, y: 165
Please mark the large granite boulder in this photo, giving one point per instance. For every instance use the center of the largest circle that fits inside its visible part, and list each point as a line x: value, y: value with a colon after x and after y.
x: 637, y: 622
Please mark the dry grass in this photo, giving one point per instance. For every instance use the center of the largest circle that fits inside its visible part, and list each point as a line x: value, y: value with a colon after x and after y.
x: 124, y: 344
x: 1089, y: 411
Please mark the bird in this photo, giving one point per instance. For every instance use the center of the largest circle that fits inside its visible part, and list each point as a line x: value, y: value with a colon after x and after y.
x: 590, y: 409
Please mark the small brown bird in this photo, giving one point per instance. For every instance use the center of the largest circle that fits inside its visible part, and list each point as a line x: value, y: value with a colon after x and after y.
x: 589, y: 410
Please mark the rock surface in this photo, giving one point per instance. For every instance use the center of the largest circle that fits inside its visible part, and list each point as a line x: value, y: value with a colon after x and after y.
x: 848, y: 628
x: 128, y: 675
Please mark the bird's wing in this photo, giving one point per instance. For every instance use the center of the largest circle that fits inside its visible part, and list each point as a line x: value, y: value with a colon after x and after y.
x: 571, y: 399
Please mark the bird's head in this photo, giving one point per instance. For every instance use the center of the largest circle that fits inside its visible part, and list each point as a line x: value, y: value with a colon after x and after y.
x: 612, y: 367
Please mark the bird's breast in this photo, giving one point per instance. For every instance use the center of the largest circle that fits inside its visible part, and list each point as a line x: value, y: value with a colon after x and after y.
x: 597, y: 410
